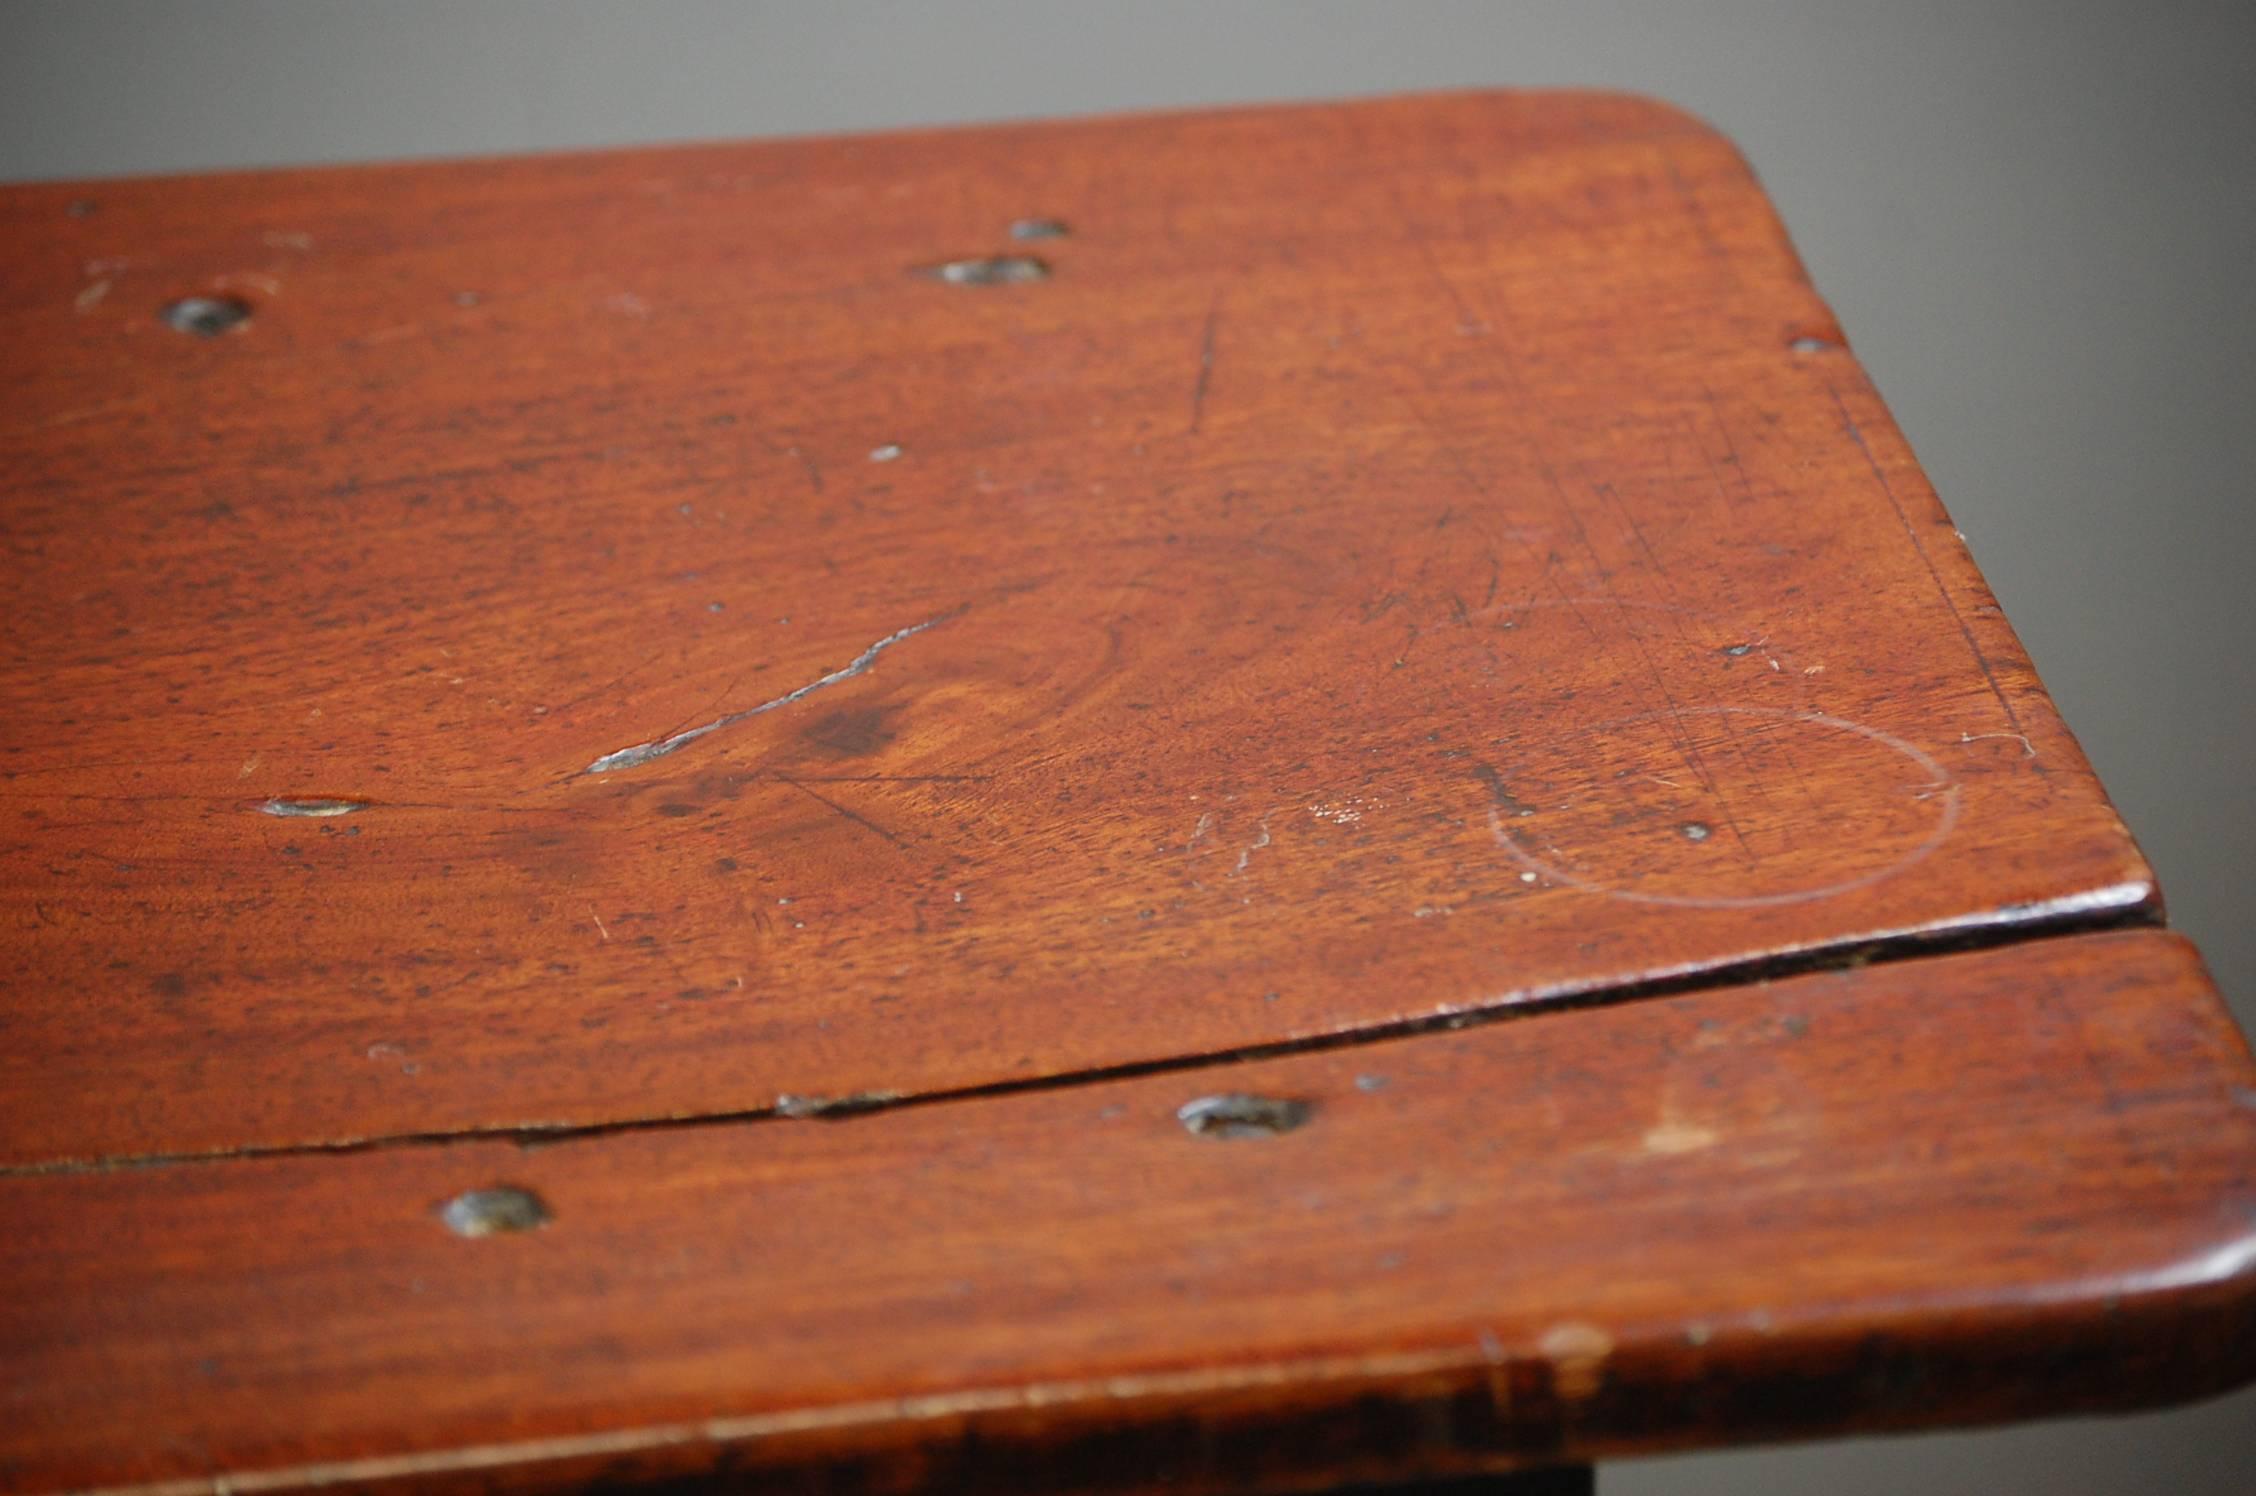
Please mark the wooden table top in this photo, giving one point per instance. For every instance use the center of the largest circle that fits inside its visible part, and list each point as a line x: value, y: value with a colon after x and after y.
x: 637, y: 786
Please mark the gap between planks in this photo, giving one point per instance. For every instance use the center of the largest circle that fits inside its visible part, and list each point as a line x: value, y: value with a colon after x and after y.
x: 2077, y: 915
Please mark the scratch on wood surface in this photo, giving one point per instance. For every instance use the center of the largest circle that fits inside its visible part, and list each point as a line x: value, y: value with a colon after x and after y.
x: 1697, y: 211
x: 256, y: 280
x: 1672, y: 714
x: 1678, y: 1137
x: 1966, y: 630
x: 1245, y: 855
x: 1468, y: 324
x: 894, y: 778
x: 1205, y: 363
x: 807, y: 464
x: 1608, y: 493
x: 810, y: 467
x: 314, y: 807
x: 638, y: 754
x: 860, y: 820
x: 1730, y: 450
x: 2028, y: 748
x: 75, y: 415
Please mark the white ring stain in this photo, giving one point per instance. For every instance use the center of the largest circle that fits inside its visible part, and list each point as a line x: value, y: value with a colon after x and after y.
x: 1941, y: 787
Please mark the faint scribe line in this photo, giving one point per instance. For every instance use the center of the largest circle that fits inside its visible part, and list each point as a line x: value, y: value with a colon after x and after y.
x: 1205, y: 364
x: 1934, y: 573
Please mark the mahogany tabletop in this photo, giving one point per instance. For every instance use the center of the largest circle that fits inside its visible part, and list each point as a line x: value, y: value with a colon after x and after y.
x: 1217, y: 801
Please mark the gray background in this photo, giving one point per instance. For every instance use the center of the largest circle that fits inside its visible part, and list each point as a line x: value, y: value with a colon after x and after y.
x: 2036, y: 221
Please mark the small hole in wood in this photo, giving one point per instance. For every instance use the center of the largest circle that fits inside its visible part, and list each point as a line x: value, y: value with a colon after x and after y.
x: 992, y: 270
x: 1695, y: 831
x: 1808, y: 345
x: 207, y: 316
x: 1240, y: 1116
x: 1038, y: 228
x: 494, y: 1212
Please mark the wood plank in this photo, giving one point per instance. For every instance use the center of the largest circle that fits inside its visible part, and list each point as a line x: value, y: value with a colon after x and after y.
x: 1403, y: 557
x: 1954, y: 1189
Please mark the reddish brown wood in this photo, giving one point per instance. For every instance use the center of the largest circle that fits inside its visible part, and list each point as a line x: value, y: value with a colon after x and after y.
x: 620, y: 639
x: 1961, y: 1188
x: 1406, y: 557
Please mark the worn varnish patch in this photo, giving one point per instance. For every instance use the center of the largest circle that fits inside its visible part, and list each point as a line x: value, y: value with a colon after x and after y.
x: 777, y: 635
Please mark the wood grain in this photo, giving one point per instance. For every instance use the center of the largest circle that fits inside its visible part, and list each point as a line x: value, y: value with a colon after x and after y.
x: 1404, y: 557
x: 1954, y: 1189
